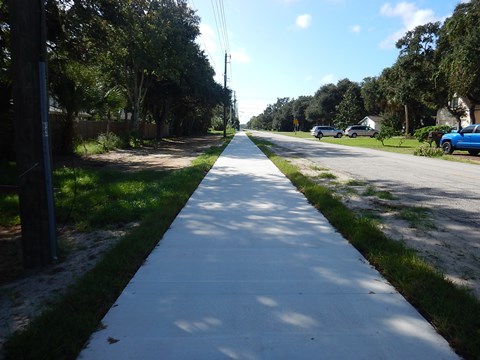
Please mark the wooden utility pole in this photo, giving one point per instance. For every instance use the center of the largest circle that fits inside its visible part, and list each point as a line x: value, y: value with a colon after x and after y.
x: 32, y: 140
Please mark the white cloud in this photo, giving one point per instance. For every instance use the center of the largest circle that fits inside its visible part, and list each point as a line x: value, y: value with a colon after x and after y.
x: 328, y: 79
x: 249, y: 107
x: 411, y: 17
x: 208, y: 40
x: 356, y: 29
x: 303, y: 21
x: 240, y: 56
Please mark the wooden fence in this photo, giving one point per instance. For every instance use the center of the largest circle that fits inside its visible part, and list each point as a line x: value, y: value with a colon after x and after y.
x: 87, y: 129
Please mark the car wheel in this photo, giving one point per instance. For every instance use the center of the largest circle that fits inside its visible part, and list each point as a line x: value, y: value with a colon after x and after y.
x: 474, y: 152
x: 339, y: 135
x: 374, y: 135
x: 319, y: 136
x: 447, y: 147
x: 354, y: 135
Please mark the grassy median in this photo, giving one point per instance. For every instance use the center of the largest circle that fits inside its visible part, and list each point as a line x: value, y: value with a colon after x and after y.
x: 453, y: 311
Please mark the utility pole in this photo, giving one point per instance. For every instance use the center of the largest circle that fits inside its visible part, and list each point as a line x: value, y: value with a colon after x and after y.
x: 225, y: 100
x: 32, y: 141
x: 235, y: 114
x: 407, y: 122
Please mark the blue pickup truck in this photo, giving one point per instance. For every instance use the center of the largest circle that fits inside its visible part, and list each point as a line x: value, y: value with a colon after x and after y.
x: 466, y: 139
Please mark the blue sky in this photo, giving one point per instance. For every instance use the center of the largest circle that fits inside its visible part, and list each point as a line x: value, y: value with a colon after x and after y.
x: 289, y: 48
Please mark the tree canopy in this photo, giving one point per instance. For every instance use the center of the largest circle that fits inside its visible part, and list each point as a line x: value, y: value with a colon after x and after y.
x: 139, y: 56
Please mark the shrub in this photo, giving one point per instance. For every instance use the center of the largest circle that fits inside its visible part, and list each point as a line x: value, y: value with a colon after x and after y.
x: 109, y: 141
x: 422, y: 133
x: 387, y: 132
x: 427, y: 150
x: 217, y: 123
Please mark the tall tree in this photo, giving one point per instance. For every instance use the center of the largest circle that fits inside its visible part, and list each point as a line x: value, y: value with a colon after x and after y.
x: 351, y: 109
x: 323, y: 107
x: 373, y: 99
x: 413, y: 74
x: 300, y: 106
x: 459, y: 53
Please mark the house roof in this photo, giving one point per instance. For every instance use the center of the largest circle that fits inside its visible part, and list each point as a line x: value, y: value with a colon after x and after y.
x: 374, y: 118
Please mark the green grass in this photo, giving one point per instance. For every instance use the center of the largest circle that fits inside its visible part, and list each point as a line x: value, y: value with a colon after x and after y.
x: 326, y: 175
x: 61, y: 331
x: 355, y: 183
x: 453, y: 311
x: 396, y: 144
x: 98, y: 198
x: 417, y: 217
x: 89, y: 147
x: 9, y: 207
x: 381, y: 194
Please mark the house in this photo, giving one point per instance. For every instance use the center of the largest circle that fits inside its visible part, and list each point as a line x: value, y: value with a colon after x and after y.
x: 374, y: 121
x: 444, y: 117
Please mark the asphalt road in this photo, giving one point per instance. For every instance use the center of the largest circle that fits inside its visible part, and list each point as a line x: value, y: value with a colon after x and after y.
x: 449, y: 188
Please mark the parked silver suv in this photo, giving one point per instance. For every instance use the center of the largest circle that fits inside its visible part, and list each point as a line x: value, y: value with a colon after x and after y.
x: 321, y: 131
x: 360, y: 130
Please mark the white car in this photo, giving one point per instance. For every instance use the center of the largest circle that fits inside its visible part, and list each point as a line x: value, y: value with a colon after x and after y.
x: 360, y: 130
x: 321, y: 131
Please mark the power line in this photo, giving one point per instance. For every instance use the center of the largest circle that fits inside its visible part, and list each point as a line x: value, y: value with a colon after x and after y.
x: 217, y: 21
x: 192, y: 5
x: 225, y: 28
x: 222, y: 32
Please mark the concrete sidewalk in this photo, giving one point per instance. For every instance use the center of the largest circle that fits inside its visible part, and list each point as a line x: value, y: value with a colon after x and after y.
x: 250, y: 270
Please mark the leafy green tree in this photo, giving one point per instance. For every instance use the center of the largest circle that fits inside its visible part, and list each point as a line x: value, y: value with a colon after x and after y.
x: 459, y: 53
x: 387, y: 132
x: 373, y: 98
x: 350, y: 110
x: 299, y: 107
x: 74, y: 87
x: 282, y: 115
x: 409, y: 84
x: 323, y: 106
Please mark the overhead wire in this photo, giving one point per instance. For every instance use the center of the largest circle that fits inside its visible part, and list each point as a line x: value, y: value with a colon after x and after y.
x: 193, y: 6
x: 218, y: 8
x: 217, y: 17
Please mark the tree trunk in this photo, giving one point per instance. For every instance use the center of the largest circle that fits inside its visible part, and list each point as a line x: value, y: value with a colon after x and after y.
x: 407, y: 125
x: 66, y: 147
x: 472, y: 113
x: 161, y: 117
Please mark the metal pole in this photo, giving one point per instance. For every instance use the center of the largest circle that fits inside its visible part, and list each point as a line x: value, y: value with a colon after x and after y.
x: 46, y: 157
x: 44, y: 107
x: 225, y: 100
x: 30, y: 102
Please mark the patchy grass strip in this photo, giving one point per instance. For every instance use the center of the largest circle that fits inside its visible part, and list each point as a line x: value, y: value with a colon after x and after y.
x: 61, y: 331
x: 453, y: 311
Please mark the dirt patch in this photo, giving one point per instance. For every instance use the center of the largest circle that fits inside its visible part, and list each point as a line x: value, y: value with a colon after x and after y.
x: 168, y: 155
x: 24, y: 294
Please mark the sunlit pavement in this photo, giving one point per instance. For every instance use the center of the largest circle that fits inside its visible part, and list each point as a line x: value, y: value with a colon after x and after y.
x: 250, y: 270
